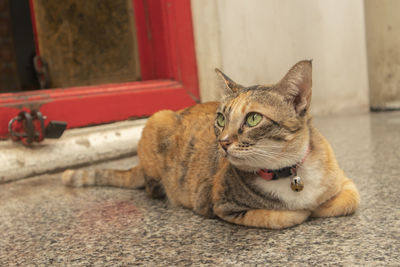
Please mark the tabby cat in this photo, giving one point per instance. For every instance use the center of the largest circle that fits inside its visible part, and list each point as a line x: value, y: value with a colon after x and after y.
x: 253, y: 159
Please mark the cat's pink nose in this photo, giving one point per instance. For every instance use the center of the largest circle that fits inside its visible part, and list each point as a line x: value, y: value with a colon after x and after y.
x: 225, y: 143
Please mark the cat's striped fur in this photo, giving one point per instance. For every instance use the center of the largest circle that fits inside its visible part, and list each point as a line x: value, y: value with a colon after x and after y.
x: 182, y: 157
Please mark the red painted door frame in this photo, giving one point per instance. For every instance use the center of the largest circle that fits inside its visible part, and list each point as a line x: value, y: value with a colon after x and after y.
x: 168, y: 68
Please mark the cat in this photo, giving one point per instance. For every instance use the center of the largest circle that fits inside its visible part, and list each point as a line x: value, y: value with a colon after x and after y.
x: 253, y: 159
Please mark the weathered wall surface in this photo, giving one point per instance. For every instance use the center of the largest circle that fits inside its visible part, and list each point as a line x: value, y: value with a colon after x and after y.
x: 207, y: 42
x: 87, y: 42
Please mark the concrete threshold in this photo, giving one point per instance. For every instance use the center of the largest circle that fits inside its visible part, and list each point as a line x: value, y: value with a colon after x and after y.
x: 77, y: 147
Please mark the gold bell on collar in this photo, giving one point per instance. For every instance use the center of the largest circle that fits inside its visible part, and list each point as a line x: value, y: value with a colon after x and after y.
x: 296, y: 183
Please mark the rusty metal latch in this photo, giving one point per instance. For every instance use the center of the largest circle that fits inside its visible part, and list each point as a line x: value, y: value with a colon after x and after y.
x: 29, y: 127
x: 42, y: 71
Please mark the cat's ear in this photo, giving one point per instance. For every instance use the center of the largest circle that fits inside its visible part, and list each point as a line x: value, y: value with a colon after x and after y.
x: 229, y: 84
x: 296, y: 86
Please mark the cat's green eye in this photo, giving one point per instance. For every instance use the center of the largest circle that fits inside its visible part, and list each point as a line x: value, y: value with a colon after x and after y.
x: 253, y: 119
x: 220, y: 120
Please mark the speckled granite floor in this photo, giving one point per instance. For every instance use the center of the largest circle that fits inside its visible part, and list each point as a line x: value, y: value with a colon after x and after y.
x: 44, y: 223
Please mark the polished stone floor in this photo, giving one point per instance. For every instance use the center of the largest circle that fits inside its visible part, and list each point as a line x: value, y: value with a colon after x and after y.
x: 43, y: 223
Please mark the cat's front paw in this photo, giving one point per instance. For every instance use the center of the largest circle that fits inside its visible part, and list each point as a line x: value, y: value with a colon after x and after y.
x: 78, y: 178
x: 292, y: 218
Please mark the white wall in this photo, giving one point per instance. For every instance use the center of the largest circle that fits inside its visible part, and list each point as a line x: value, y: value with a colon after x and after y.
x: 206, y: 28
x: 259, y: 40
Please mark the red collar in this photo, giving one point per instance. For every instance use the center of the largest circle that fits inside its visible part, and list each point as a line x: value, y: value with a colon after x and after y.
x: 269, y: 175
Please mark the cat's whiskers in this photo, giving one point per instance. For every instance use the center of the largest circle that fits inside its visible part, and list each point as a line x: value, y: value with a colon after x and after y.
x: 266, y: 153
x: 257, y: 151
x: 267, y: 147
x: 255, y: 156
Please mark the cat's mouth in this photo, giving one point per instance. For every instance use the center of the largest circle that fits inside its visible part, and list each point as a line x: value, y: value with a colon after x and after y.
x: 240, y: 163
x: 235, y: 155
x: 234, y: 159
x: 245, y: 163
x: 230, y: 156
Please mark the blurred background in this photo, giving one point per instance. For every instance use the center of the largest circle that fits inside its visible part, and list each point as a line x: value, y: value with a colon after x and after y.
x: 353, y: 44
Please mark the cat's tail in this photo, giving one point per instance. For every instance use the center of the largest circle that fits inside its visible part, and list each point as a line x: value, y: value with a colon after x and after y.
x: 132, y: 178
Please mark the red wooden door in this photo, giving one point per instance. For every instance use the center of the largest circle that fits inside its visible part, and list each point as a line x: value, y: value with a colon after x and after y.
x: 168, y: 68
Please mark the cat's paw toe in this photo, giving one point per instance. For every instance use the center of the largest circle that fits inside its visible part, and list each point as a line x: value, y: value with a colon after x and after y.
x: 296, y: 217
x: 67, y: 177
x: 77, y: 178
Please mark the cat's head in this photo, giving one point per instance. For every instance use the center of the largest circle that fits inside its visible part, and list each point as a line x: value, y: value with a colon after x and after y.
x: 266, y: 126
